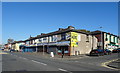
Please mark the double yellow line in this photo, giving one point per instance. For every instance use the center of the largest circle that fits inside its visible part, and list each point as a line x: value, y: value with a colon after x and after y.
x: 106, y: 63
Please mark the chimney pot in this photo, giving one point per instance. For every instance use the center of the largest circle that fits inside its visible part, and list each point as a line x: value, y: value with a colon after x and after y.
x: 71, y: 27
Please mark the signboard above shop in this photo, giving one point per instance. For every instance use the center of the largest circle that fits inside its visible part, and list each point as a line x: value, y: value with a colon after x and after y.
x: 55, y: 43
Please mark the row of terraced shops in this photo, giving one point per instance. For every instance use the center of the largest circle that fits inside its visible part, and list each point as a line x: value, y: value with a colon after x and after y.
x: 68, y: 41
x: 47, y: 48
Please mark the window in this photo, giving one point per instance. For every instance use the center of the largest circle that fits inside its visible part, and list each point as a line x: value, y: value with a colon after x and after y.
x: 117, y: 39
x: 50, y: 39
x: 87, y: 38
x: 54, y: 38
x: 63, y: 37
x: 79, y: 38
x: 106, y: 39
x: 41, y: 40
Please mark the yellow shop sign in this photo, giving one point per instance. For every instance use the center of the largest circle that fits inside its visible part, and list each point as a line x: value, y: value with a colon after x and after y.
x: 74, y: 39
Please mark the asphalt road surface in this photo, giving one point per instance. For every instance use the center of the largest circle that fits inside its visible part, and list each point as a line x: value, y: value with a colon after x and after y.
x: 26, y: 62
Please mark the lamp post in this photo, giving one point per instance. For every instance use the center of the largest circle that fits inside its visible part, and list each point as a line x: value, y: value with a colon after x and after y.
x: 101, y: 40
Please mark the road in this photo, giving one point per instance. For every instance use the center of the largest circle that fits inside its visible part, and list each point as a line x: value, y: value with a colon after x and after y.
x: 26, y: 62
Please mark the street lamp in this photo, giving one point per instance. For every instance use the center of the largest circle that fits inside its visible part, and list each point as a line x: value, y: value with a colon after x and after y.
x: 101, y: 39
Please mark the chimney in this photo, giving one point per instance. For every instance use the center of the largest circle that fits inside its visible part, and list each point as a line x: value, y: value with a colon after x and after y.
x: 42, y: 33
x: 71, y: 27
x: 60, y: 29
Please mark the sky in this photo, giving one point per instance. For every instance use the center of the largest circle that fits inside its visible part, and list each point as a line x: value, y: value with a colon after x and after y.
x: 22, y: 19
x: 0, y: 23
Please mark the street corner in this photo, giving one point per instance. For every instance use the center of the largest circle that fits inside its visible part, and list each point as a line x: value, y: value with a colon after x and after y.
x: 112, y: 64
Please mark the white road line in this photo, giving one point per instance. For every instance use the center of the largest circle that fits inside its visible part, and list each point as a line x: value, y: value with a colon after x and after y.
x: 39, y: 62
x: 15, y: 55
x: 35, y: 61
x: 76, y: 61
x: 20, y: 57
x: 62, y: 69
x: 25, y: 58
x: 43, y: 63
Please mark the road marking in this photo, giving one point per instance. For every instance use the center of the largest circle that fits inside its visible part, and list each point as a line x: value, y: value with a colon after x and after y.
x: 76, y: 61
x: 43, y: 63
x: 25, y: 58
x: 62, y: 69
x: 105, y: 64
x: 39, y: 62
x: 15, y: 55
x: 35, y: 61
x: 20, y: 57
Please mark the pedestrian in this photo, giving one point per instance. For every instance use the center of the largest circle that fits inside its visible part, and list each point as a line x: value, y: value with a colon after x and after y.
x: 62, y: 53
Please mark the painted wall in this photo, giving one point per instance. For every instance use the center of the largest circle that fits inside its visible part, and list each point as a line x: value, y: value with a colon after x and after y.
x: 84, y: 44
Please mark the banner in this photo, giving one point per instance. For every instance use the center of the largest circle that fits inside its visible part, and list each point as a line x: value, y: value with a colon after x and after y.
x: 74, y: 39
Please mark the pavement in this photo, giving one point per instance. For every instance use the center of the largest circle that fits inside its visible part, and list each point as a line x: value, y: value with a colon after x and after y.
x: 1, y: 52
x: 59, y: 57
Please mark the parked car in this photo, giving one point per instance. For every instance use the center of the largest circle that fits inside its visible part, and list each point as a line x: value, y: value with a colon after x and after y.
x: 107, y: 52
x: 2, y: 49
x: 116, y: 50
x: 12, y: 50
x: 97, y: 52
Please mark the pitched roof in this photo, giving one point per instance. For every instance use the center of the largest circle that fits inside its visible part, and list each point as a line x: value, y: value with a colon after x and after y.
x: 61, y: 30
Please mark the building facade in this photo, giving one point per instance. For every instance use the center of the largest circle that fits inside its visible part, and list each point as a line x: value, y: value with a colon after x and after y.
x: 67, y: 41
x: 16, y: 45
x: 109, y: 41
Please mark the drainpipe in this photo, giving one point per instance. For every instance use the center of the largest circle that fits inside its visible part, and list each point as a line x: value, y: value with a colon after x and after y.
x: 92, y: 42
x: 43, y: 49
x: 36, y: 47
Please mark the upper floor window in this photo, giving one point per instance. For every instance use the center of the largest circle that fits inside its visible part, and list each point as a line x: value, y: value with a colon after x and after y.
x: 63, y: 36
x: 87, y: 38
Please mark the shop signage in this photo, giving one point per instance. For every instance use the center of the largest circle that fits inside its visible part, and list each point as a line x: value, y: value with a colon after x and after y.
x: 55, y: 43
x: 74, y: 39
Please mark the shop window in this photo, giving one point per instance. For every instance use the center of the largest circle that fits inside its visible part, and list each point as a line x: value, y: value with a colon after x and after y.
x: 66, y: 51
x: 59, y: 51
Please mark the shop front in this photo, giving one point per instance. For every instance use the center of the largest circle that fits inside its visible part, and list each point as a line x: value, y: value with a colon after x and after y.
x: 58, y: 48
x: 112, y: 46
x: 27, y: 48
